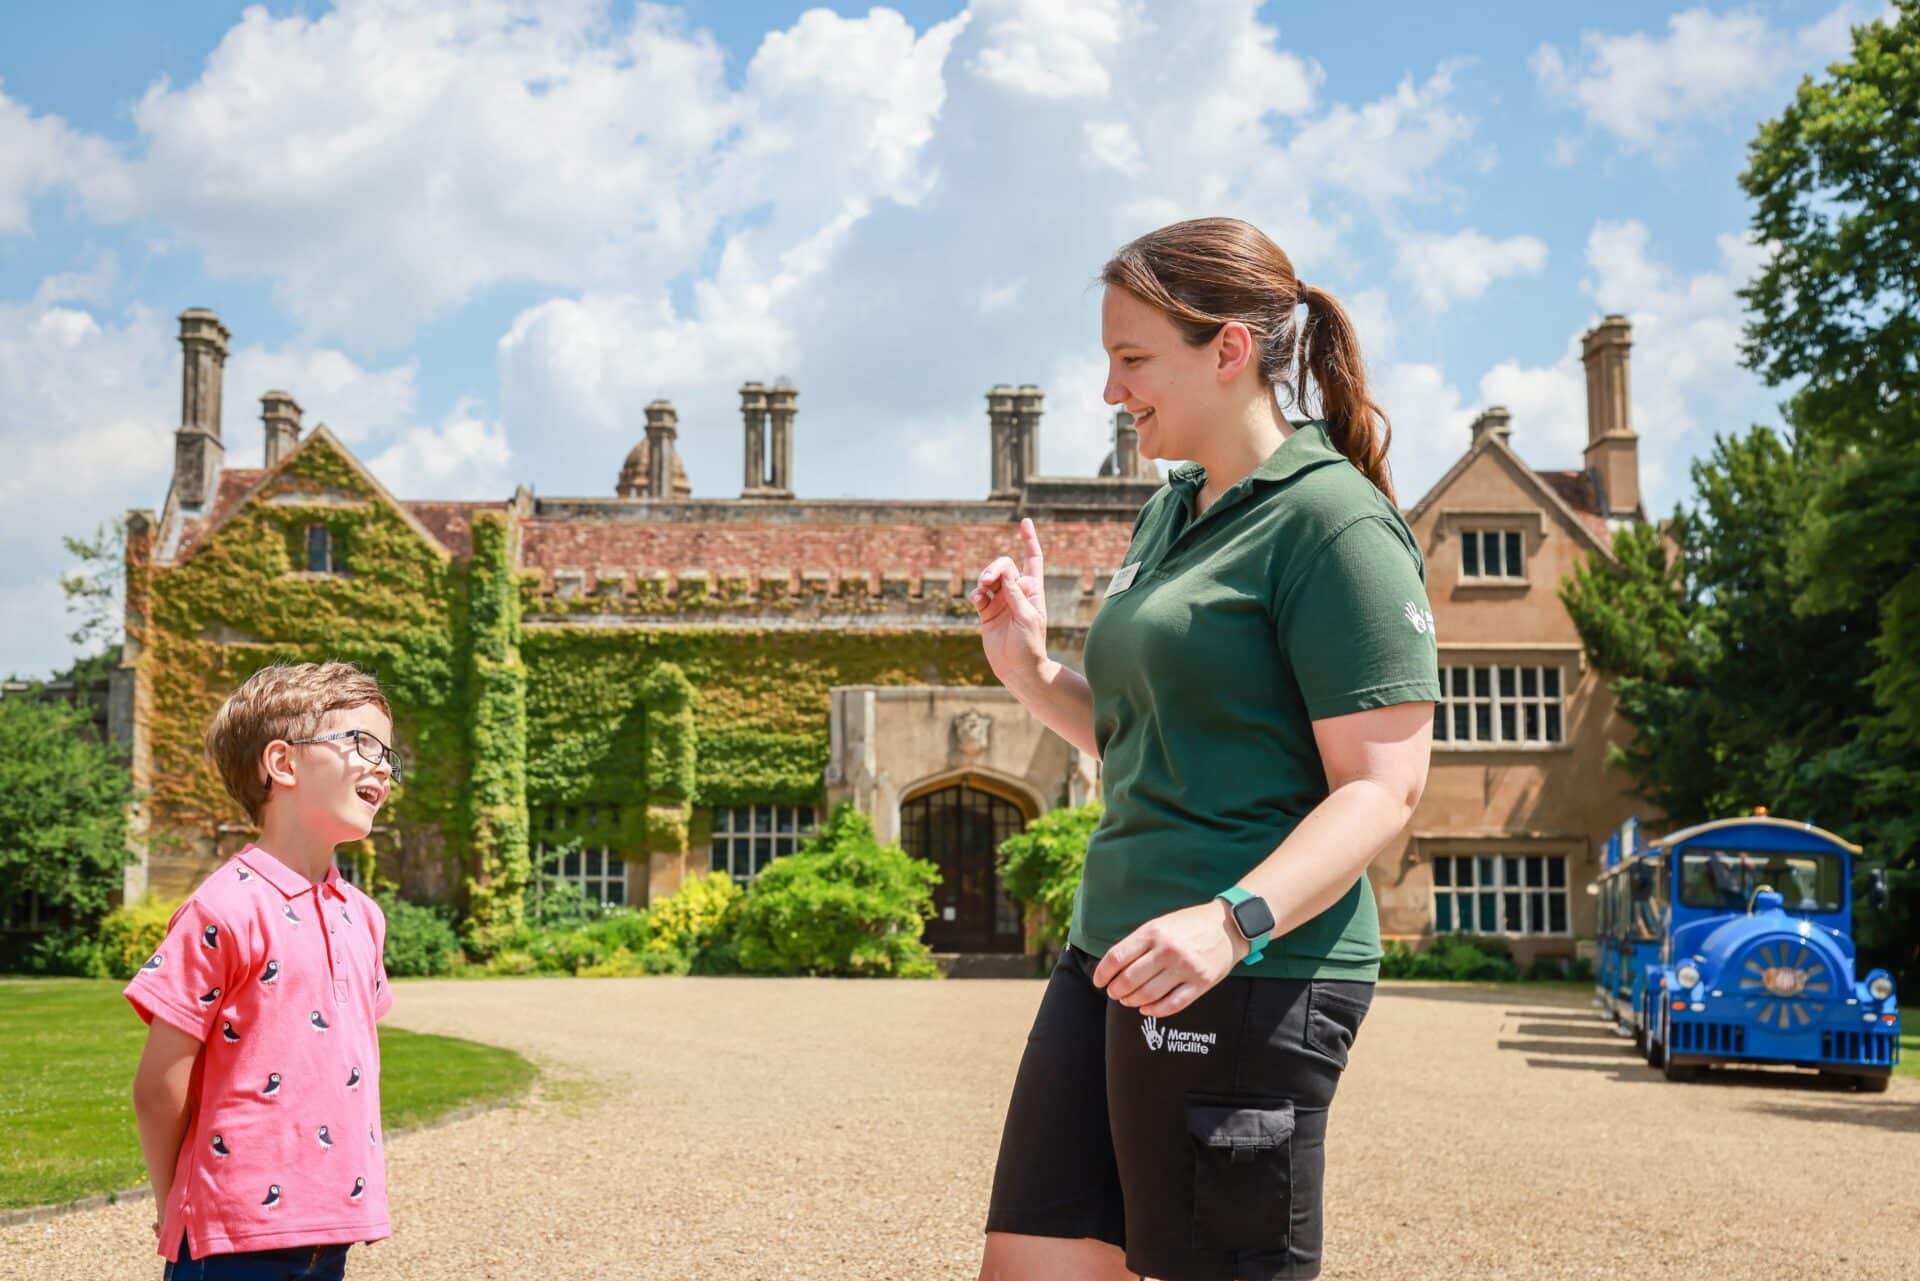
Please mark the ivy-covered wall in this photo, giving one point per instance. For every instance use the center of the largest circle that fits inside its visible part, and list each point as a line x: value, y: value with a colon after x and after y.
x: 242, y: 599
x: 509, y: 728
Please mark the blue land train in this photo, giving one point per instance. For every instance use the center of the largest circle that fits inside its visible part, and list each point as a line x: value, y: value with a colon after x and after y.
x: 1732, y: 943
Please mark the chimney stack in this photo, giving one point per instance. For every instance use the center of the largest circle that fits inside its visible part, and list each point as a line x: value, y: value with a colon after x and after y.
x: 198, y: 453
x: 1613, y: 451
x: 1495, y: 421
x: 781, y: 409
x: 280, y: 414
x: 661, y: 453
x: 1026, y: 412
x: 753, y: 416
x: 1001, y: 428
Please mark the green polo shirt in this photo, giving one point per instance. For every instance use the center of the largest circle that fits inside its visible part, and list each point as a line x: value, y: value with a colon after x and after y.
x: 1299, y: 594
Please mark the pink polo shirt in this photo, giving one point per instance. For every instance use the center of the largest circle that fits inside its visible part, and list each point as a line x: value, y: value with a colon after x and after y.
x: 281, y: 979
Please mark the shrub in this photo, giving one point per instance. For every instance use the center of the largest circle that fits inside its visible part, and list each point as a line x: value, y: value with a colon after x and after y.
x: 697, y: 922
x: 129, y: 935
x: 1559, y: 968
x: 69, y: 952
x: 1459, y: 957
x: 421, y: 941
x: 843, y: 904
x: 1041, y: 866
x: 63, y: 819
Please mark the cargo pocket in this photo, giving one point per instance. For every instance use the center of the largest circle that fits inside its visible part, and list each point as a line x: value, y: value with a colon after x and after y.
x: 1334, y: 1011
x: 1242, y: 1174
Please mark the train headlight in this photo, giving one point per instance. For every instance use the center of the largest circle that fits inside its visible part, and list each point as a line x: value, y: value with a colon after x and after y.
x: 1879, y: 987
x: 1688, y: 975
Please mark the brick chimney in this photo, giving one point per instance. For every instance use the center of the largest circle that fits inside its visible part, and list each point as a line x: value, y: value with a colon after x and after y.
x: 1494, y: 421
x: 753, y: 417
x: 1026, y: 412
x: 1613, y: 451
x: 661, y: 452
x: 198, y: 454
x: 280, y: 415
x: 781, y: 409
x: 1001, y: 429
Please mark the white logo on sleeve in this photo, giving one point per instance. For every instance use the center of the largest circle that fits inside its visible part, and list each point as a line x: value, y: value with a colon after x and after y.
x: 1422, y: 620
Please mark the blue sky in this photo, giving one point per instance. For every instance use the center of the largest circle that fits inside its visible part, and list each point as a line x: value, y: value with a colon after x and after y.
x: 477, y: 237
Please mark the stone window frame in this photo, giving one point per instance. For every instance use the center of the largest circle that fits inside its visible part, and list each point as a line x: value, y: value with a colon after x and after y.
x: 738, y: 850
x: 1530, y: 525
x: 1500, y: 885
x: 601, y: 880
x: 1519, y: 667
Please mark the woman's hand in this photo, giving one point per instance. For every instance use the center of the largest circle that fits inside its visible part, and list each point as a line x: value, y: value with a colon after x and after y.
x: 1173, y: 960
x: 1012, y: 604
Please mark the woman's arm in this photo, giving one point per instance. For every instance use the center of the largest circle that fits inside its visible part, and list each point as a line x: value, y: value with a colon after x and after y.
x: 160, y: 1103
x: 1376, y: 764
x: 1012, y: 604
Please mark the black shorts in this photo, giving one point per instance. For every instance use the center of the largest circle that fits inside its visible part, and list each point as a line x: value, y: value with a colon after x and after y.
x: 1195, y: 1143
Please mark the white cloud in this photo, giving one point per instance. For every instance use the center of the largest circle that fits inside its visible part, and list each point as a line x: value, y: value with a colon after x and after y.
x: 1707, y: 67
x: 1111, y: 143
x: 42, y: 155
x: 1429, y: 425
x: 1459, y: 266
x: 1053, y: 48
x: 996, y: 296
x: 358, y: 405
x: 466, y: 456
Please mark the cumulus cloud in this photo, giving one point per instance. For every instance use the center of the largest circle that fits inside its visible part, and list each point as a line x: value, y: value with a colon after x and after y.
x: 41, y: 156
x: 1707, y: 67
x: 1459, y: 266
x: 464, y: 456
x: 1054, y: 48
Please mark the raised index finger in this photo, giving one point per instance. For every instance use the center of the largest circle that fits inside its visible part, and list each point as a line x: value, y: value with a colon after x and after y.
x: 1031, y: 538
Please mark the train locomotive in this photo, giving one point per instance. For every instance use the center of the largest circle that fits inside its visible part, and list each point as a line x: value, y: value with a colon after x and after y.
x: 1731, y: 943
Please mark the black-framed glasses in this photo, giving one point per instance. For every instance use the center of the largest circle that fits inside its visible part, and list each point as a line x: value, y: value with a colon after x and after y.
x: 371, y: 749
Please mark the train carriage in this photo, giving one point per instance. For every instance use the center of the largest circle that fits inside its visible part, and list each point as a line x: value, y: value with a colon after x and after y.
x: 1731, y: 942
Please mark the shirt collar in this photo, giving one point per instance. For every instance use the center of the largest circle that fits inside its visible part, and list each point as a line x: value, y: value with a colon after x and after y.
x: 284, y: 878
x: 1308, y: 447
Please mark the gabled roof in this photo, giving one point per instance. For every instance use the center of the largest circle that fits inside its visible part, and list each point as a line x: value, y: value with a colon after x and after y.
x: 1556, y: 491
x: 225, y: 508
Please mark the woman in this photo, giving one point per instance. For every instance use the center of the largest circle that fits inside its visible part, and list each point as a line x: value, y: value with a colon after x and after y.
x: 1259, y: 687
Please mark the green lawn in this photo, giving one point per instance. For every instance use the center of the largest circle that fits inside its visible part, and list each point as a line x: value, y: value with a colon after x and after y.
x: 1909, y: 1042
x: 68, y: 1048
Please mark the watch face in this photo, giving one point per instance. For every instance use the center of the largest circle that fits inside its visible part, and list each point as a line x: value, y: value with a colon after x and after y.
x: 1253, y: 917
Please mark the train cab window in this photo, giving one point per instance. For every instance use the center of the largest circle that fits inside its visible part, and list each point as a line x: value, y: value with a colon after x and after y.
x: 1725, y: 880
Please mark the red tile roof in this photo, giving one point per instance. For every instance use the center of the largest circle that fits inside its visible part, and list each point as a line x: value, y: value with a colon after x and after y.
x: 451, y: 523
x: 1576, y: 490
x: 235, y: 483
x: 547, y: 545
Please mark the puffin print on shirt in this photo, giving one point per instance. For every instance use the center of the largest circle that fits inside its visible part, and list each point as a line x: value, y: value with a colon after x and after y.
x: 281, y: 980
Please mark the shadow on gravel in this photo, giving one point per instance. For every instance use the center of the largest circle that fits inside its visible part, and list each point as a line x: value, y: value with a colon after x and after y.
x: 1500, y: 994
x: 1881, y: 1116
x: 1587, y: 1031
x: 1588, y: 1049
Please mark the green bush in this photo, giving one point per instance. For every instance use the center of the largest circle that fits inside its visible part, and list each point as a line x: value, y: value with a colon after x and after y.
x: 1041, y: 867
x: 68, y: 952
x: 696, y: 924
x: 421, y: 941
x: 1459, y: 957
x: 843, y: 904
x: 1559, y: 969
x: 129, y: 935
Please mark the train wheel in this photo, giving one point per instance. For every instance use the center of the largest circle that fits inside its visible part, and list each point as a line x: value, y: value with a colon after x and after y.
x: 1688, y: 1072
x: 1655, y: 1051
x: 1875, y: 1084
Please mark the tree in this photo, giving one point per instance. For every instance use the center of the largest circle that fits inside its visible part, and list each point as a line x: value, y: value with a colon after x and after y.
x: 63, y: 810
x: 96, y: 587
x: 1836, y: 187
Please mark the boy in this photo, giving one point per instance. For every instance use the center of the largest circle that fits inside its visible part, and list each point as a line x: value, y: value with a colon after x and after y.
x: 258, y: 1094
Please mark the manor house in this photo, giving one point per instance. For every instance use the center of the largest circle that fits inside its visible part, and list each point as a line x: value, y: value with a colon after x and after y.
x: 630, y: 687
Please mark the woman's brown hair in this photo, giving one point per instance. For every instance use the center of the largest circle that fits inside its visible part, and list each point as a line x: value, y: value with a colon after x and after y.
x: 1208, y: 271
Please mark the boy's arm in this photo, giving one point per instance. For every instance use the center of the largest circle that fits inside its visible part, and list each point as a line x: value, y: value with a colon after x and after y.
x: 160, y: 1087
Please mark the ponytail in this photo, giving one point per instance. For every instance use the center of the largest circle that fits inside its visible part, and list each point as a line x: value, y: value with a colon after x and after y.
x: 1208, y: 271
x: 1330, y: 353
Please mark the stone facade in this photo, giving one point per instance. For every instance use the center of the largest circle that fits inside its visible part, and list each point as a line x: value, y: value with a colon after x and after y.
x: 953, y: 767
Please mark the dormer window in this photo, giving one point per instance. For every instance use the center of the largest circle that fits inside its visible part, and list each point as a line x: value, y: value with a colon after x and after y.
x: 1496, y: 554
x: 320, y: 558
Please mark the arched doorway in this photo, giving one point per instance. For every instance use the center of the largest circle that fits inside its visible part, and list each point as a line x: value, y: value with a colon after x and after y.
x: 957, y: 828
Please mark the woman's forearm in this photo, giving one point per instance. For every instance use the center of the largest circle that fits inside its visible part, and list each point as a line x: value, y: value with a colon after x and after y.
x: 1320, y: 860
x: 1060, y: 699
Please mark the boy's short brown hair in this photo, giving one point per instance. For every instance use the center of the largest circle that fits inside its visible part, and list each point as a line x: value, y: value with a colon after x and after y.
x: 281, y: 701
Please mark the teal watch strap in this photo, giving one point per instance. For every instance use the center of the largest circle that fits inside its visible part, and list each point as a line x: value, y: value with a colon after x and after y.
x: 1235, y: 896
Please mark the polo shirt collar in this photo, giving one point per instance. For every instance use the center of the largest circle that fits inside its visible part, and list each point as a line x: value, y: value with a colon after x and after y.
x: 284, y: 878
x: 1308, y: 447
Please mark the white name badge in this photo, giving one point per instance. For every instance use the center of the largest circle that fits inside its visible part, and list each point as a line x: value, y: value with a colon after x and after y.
x: 1123, y: 580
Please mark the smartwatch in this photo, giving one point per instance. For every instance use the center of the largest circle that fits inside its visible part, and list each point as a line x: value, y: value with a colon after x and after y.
x: 1252, y: 917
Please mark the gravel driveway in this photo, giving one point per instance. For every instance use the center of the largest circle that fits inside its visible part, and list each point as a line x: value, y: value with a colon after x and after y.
x: 747, y: 1129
